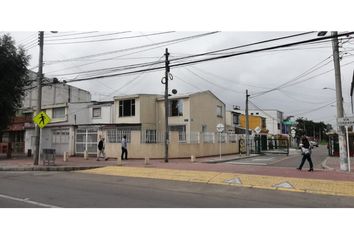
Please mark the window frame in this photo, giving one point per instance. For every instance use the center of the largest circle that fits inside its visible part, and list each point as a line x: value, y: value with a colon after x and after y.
x: 177, y: 110
x: 55, y: 112
x: 93, y: 112
x: 219, y: 113
x: 122, y: 108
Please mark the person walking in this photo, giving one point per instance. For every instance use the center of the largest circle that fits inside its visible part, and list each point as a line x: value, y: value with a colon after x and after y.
x: 124, y: 148
x: 101, y: 147
x: 306, y: 154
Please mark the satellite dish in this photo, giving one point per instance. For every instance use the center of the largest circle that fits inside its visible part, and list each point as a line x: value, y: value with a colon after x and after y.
x: 174, y: 91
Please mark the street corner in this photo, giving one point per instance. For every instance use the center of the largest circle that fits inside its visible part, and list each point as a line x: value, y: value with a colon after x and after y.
x: 327, y: 187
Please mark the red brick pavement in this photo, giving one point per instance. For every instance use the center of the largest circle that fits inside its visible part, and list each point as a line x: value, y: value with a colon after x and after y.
x: 199, y: 165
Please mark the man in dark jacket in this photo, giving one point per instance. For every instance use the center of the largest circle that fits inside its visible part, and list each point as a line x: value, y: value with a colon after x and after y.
x: 101, y: 147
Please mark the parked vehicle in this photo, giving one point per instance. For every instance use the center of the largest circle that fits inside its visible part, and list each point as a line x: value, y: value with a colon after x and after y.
x: 314, y: 143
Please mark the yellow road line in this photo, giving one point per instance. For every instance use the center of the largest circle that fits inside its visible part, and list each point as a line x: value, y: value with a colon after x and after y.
x: 342, y: 188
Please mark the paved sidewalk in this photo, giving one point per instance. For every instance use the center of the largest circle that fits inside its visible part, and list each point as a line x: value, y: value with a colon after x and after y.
x: 208, y: 170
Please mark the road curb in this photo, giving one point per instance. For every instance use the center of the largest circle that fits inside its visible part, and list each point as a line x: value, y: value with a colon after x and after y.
x: 230, y: 160
x: 47, y: 168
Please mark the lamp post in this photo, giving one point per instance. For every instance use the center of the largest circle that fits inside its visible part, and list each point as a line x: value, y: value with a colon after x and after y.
x: 340, y: 111
x: 39, y: 94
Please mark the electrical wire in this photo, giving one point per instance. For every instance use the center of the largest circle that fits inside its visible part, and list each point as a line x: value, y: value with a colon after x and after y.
x: 307, y: 72
x: 59, y: 35
x: 165, y: 43
x: 221, y: 57
x: 93, y: 36
x: 108, y: 39
x: 138, y: 47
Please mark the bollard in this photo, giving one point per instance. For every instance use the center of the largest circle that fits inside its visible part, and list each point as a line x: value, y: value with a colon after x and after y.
x: 147, y: 160
x: 119, y: 161
x: 85, y: 155
x: 192, y: 158
x: 65, y: 157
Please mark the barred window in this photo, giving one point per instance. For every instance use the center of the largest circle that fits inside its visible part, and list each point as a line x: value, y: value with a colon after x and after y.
x: 115, y: 135
x: 60, y: 136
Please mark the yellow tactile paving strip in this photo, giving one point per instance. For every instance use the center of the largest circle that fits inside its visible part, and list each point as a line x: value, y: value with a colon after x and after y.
x: 342, y: 188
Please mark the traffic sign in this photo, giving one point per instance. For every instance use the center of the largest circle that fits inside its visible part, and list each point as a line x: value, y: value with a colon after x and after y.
x: 42, y: 119
x: 258, y: 130
x: 345, y: 121
x: 220, y: 127
x: 293, y: 132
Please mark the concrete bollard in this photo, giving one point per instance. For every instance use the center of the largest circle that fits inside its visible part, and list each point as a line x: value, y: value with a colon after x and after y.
x: 119, y: 161
x: 85, y: 155
x: 65, y: 157
x: 192, y: 158
x: 147, y: 160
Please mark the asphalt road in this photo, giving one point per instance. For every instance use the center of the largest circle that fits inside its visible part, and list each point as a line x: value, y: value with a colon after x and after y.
x: 281, y: 160
x: 79, y: 190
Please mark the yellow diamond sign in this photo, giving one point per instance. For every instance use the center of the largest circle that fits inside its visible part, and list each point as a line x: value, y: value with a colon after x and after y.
x: 42, y: 119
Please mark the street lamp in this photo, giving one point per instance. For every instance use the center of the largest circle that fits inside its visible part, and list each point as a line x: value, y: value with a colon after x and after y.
x: 339, y: 97
x: 39, y: 94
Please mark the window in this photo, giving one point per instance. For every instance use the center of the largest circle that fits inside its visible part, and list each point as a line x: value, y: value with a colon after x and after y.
x: 60, y: 136
x: 175, y: 108
x: 127, y: 108
x: 59, y: 112
x: 219, y: 111
x: 181, y: 131
x: 236, y: 119
x: 150, y: 136
x: 115, y: 135
x: 278, y: 126
x: 264, y: 123
x: 96, y: 112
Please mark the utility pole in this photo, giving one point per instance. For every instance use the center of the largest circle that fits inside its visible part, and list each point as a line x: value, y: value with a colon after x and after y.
x: 247, y: 125
x: 39, y: 95
x: 167, y: 71
x: 341, y: 136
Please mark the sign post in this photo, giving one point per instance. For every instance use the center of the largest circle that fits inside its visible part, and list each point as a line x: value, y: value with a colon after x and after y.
x: 41, y: 119
x: 346, y: 131
x: 220, y: 128
x: 346, y: 121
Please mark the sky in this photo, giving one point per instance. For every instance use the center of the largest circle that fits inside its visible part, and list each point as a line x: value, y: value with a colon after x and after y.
x: 227, y: 78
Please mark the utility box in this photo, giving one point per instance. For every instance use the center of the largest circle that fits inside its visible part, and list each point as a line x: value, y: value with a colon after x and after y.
x: 48, y: 156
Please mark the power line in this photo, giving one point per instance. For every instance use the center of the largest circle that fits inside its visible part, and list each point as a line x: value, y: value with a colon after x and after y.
x: 138, y: 47
x: 93, y: 36
x: 220, y: 57
x: 315, y: 109
x: 109, y: 39
x: 71, y: 34
x: 308, y: 71
x: 242, y: 46
x: 165, y: 43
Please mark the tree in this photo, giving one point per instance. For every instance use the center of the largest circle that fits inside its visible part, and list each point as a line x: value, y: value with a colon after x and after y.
x: 13, y: 78
x: 312, y: 129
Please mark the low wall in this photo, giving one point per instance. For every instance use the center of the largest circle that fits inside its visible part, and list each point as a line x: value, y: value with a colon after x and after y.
x: 176, y: 150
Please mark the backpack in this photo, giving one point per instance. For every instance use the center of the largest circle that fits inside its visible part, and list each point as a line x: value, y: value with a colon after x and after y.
x: 100, y: 145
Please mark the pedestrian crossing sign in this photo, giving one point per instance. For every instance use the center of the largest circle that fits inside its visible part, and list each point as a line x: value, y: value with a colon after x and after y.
x: 42, y: 119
